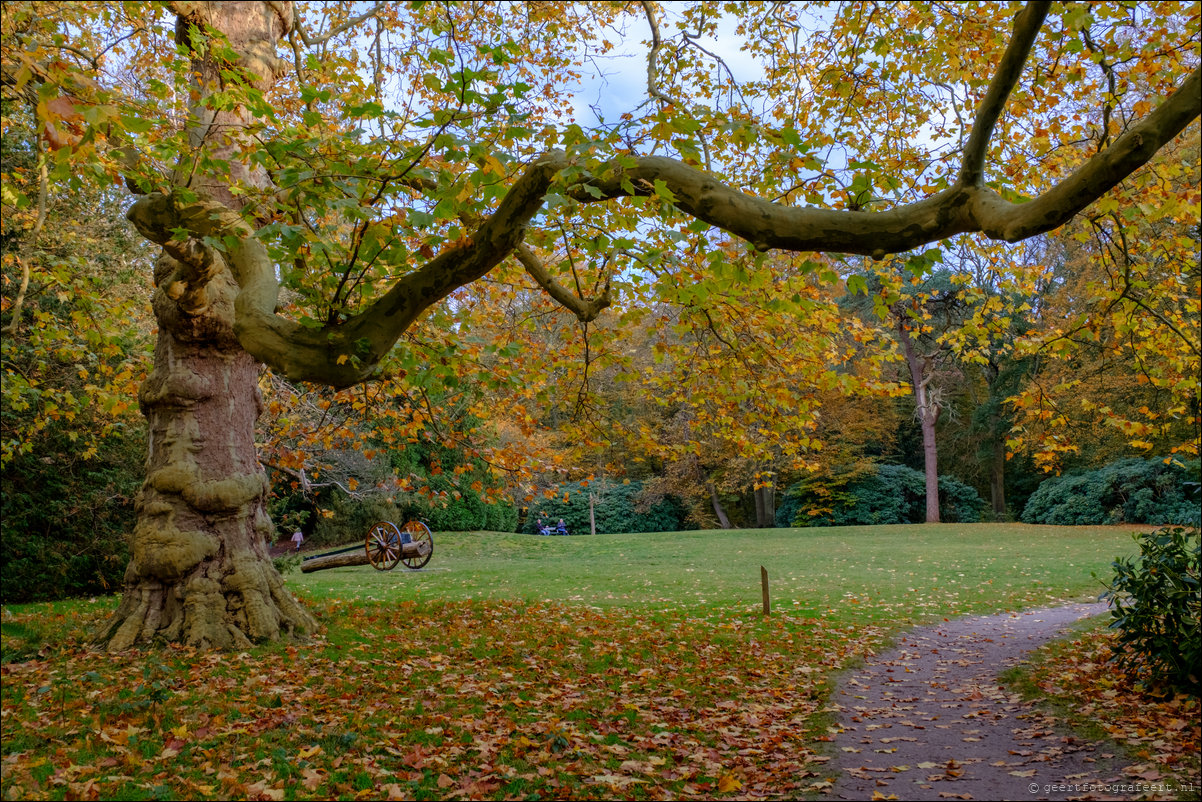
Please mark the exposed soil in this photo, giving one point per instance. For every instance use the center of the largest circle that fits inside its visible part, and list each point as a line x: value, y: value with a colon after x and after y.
x: 929, y: 720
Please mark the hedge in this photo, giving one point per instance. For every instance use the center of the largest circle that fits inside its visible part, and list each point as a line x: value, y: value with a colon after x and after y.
x: 1128, y: 491
x: 618, y: 508
x: 890, y: 494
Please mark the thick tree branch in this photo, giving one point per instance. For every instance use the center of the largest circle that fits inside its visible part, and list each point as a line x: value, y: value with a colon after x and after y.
x: 1026, y: 28
x: 957, y: 210
x: 768, y: 225
x: 345, y: 354
x: 1014, y: 222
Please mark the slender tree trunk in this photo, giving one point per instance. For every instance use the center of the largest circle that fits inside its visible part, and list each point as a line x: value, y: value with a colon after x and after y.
x: 200, y: 572
x: 769, y: 493
x: 930, y: 460
x: 997, y: 479
x: 765, y: 507
x: 927, y: 411
x: 723, y: 520
x: 997, y: 442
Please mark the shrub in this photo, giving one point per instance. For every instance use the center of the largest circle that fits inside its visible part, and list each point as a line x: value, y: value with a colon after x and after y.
x: 65, y: 521
x: 287, y: 563
x: 889, y: 494
x: 346, y: 519
x: 619, y: 507
x: 1157, y: 609
x: 456, y: 510
x: 1127, y: 491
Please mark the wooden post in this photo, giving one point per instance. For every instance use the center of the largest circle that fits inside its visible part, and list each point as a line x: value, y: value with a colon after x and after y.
x: 764, y: 583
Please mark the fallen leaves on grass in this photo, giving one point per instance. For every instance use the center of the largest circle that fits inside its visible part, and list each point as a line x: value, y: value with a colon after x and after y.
x: 1163, y: 733
x: 438, y: 700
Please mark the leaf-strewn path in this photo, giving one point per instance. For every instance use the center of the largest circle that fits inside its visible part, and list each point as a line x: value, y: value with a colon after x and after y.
x: 928, y: 720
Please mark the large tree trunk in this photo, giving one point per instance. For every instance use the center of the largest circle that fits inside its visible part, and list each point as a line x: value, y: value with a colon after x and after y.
x: 927, y: 409
x: 200, y: 572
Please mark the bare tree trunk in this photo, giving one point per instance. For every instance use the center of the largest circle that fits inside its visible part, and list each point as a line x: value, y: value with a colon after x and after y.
x: 997, y: 442
x: 765, y: 507
x: 768, y: 495
x: 930, y: 459
x: 200, y: 572
x: 927, y: 411
x: 723, y: 520
x: 997, y: 479
x: 592, y: 513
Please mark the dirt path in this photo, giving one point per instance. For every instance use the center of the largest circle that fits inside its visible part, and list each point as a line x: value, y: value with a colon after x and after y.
x: 928, y: 719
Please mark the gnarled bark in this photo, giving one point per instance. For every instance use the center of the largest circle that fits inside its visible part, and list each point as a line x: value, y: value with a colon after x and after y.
x: 200, y: 572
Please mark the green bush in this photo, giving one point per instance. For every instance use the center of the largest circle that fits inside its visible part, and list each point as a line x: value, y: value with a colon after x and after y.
x: 287, y: 563
x: 618, y: 508
x: 451, y: 509
x: 1157, y: 609
x: 65, y: 522
x: 1127, y: 491
x: 890, y: 494
x: 347, y: 520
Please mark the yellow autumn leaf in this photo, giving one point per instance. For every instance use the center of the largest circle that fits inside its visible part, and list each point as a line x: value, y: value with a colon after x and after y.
x: 728, y: 783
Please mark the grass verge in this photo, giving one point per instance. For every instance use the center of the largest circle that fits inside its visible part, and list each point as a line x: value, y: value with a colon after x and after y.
x: 1159, y: 735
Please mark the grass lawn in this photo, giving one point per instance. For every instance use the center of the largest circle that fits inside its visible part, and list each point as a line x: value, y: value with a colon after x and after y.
x: 892, y: 575
x: 516, y: 666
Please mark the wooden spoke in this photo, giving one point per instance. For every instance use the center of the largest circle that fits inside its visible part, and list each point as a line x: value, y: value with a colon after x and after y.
x: 383, y: 545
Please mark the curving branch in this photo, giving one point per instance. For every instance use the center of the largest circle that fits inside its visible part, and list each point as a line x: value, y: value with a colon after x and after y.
x: 289, y: 13
x: 25, y: 252
x: 586, y: 310
x: 1013, y: 222
x: 957, y: 210
x: 1026, y: 27
x: 336, y: 355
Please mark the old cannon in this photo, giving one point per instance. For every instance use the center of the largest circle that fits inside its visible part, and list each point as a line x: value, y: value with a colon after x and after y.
x: 386, y: 545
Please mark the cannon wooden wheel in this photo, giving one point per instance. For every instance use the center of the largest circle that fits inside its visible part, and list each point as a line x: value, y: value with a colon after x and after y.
x: 416, y: 533
x: 383, y: 546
